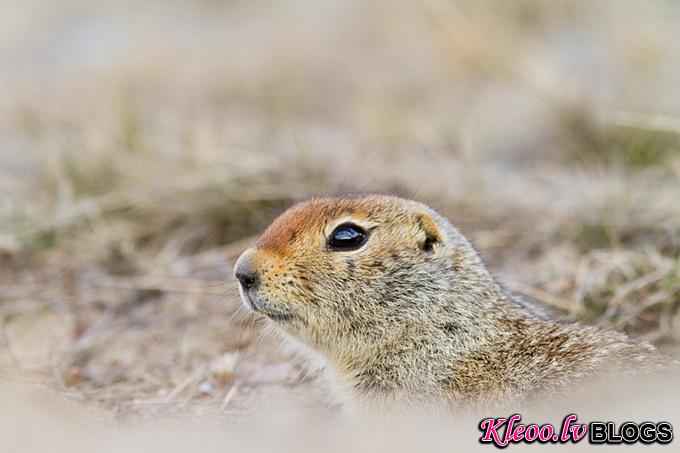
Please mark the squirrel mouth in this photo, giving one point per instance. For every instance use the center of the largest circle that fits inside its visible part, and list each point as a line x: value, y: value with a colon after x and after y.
x: 278, y: 315
x: 273, y: 314
x: 248, y: 301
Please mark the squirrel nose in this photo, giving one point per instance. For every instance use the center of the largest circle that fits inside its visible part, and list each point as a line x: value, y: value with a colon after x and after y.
x: 246, y: 279
x: 244, y: 273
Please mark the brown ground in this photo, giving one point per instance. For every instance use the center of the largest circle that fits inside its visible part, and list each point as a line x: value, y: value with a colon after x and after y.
x: 142, y: 147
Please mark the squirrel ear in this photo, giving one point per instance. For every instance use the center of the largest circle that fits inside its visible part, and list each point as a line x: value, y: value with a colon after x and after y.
x: 429, y: 227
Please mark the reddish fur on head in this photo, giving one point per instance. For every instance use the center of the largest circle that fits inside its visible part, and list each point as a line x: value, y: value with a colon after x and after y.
x: 312, y: 215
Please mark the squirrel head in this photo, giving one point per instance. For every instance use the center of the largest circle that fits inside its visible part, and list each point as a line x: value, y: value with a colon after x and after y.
x: 340, y: 274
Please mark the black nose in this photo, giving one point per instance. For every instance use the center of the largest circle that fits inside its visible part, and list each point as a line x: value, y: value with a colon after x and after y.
x: 246, y: 279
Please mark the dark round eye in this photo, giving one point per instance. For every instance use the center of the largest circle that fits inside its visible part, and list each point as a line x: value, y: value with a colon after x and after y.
x: 347, y: 237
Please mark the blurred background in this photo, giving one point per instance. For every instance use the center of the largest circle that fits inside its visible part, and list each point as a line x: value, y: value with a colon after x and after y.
x: 143, y: 145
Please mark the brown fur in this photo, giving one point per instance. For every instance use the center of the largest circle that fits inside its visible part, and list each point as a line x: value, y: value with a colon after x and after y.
x: 413, y: 317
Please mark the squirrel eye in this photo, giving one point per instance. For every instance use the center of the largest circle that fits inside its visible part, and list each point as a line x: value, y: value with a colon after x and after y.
x: 347, y: 237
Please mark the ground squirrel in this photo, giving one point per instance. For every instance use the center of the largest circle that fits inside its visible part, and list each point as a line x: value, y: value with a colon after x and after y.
x: 400, y: 306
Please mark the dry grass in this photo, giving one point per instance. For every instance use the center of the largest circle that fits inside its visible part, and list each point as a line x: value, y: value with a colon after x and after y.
x: 142, y: 147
